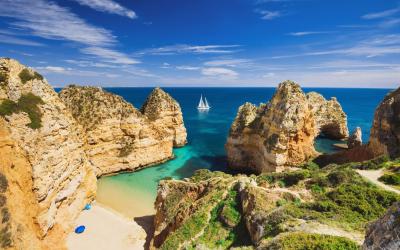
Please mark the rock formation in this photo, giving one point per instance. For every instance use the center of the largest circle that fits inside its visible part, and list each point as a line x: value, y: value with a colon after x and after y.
x: 282, y: 132
x: 164, y: 110
x: 118, y: 136
x: 46, y: 149
x: 355, y: 139
x: 385, y: 131
x: 385, y: 232
x: 329, y: 116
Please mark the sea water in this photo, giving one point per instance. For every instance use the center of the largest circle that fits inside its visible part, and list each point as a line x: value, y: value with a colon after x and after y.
x: 134, y: 193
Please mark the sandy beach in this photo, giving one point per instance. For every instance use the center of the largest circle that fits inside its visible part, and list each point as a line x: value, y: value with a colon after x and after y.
x: 107, y: 229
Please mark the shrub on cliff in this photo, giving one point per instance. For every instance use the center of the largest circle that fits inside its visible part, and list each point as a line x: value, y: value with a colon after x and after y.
x: 27, y: 103
x: 296, y: 241
x: 391, y: 179
x: 26, y: 75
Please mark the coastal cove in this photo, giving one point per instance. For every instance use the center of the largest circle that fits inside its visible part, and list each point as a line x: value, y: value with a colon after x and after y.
x: 133, y: 194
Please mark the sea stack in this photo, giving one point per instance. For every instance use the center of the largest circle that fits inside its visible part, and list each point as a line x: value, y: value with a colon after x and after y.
x: 385, y: 131
x: 118, y: 136
x: 41, y: 149
x: 162, y: 109
x: 282, y: 132
x: 355, y: 139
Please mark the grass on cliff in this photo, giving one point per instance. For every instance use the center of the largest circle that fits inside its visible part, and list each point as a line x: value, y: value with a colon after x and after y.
x: 27, y: 103
x: 342, y: 198
x: 26, y: 75
x: 284, y: 179
x: 307, y: 241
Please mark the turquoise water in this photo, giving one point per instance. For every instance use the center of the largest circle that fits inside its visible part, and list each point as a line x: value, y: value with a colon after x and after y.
x: 207, y: 133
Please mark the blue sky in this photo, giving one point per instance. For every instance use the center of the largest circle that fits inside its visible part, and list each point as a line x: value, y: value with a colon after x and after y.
x: 324, y: 43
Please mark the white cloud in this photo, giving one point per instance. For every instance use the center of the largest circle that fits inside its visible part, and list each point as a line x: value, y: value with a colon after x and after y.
x: 306, y: 33
x: 49, y: 20
x: 269, y: 15
x: 109, y: 55
x: 184, y: 67
x: 108, y: 6
x: 228, y: 62
x: 84, y: 64
x: 18, y: 41
x: 382, y: 14
x: 190, y: 49
x: 222, y: 73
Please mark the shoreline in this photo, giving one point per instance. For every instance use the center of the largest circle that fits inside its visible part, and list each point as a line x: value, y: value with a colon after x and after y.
x: 110, y: 229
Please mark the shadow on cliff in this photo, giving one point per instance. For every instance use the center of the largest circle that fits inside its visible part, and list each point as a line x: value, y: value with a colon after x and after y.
x: 213, y: 163
x: 146, y: 222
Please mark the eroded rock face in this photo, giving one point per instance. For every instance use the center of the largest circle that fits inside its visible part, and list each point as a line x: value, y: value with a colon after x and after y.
x: 161, y: 108
x: 385, y: 232
x: 118, y: 136
x: 355, y: 139
x: 329, y: 116
x: 279, y: 133
x: 48, y: 138
x: 282, y: 132
x: 385, y: 131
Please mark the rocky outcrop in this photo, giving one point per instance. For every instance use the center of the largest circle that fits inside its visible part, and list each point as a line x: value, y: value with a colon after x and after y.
x: 161, y: 108
x: 50, y: 173
x: 308, y: 208
x: 385, y: 232
x: 118, y: 136
x: 329, y: 116
x: 282, y: 132
x: 385, y: 131
x: 355, y: 140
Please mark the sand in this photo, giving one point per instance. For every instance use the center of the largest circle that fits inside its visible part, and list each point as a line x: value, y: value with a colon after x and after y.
x: 106, y: 229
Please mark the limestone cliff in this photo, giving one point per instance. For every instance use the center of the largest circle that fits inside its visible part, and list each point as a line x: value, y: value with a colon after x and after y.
x: 282, y: 132
x: 355, y: 140
x: 385, y: 131
x: 161, y: 108
x: 329, y: 116
x: 310, y: 208
x: 48, y: 150
x: 279, y: 133
x: 118, y: 136
x: 384, y: 233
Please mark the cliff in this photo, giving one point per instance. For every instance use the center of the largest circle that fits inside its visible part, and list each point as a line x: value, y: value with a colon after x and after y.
x: 282, y: 132
x: 384, y: 233
x: 385, y: 130
x: 310, y: 208
x: 48, y: 150
x: 118, y: 136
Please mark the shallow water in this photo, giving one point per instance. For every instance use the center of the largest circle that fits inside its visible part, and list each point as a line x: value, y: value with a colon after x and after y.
x: 134, y: 193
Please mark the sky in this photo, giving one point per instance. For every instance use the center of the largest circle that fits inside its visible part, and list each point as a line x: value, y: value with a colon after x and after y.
x: 206, y: 43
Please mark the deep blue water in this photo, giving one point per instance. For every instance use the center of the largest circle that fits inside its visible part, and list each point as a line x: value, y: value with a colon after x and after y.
x: 207, y: 133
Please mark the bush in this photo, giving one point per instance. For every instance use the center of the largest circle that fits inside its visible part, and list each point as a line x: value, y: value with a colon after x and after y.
x: 27, y: 103
x: 286, y: 179
x: 375, y: 163
x: 26, y: 75
x: 307, y: 241
x: 391, y: 179
x: 3, y: 183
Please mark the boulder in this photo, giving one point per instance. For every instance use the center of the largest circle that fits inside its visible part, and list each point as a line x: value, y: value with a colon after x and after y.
x: 355, y: 139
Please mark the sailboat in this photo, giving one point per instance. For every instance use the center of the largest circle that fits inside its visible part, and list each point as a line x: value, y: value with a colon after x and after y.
x: 203, y: 105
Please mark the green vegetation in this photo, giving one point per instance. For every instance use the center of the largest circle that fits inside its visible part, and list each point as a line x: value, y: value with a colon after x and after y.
x: 205, y: 174
x: 26, y: 75
x: 27, y: 103
x: 306, y: 241
x: 377, y: 163
x: 391, y: 179
x: 285, y: 179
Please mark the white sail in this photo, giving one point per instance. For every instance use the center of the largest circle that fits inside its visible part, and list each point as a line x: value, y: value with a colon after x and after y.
x: 206, y: 103
x: 201, y: 103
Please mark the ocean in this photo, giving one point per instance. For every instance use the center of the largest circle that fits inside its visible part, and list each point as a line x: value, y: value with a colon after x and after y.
x: 133, y: 194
